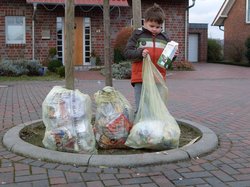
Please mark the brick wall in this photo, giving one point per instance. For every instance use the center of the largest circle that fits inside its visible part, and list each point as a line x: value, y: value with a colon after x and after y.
x: 45, y: 20
x: 201, y: 30
x: 236, y: 31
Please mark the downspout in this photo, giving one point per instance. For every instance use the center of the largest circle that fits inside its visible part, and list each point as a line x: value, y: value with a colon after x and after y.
x: 33, y: 30
x: 220, y: 27
x: 186, y: 28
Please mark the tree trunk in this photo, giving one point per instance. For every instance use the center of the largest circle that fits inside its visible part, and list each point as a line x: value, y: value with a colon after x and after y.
x: 69, y: 44
x: 136, y: 6
x: 107, y: 62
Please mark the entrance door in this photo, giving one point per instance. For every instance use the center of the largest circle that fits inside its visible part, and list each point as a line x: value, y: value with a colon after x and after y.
x: 78, y: 51
x: 193, y: 47
x: 82, y: 40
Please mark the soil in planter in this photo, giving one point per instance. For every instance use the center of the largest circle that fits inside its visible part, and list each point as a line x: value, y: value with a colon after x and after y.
x: 34, y: 134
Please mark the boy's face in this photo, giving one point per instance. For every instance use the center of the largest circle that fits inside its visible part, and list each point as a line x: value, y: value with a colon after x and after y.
x: 153, y: 27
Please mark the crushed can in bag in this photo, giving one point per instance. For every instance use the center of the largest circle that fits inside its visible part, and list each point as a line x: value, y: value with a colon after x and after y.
x: 168, y: 54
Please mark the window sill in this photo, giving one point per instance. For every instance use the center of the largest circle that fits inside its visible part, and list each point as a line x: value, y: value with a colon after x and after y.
x: 16, y: 45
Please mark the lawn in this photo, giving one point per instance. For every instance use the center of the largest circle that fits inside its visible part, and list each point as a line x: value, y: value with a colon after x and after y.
x: 47, y: 77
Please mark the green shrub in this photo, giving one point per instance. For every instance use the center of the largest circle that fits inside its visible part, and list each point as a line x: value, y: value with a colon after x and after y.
x: 121, y: 70
x: 54, y: 64
x: 247, y: 44
x: 34, y: 68
x: 214, y: 51
x: 61, y: 71
x: 121, y: 42
x: 18, y: 68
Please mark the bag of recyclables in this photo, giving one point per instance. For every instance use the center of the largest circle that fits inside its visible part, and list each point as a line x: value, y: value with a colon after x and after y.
x: 114, y: 118
x: 154, y: 127
x: 67, y: 118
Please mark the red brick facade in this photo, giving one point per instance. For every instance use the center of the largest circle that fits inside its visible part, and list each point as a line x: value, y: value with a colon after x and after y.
x: 46, y: 19
x: 236, y: 31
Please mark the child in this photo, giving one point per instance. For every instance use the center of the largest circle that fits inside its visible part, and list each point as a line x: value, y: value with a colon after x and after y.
x: 148, y: 40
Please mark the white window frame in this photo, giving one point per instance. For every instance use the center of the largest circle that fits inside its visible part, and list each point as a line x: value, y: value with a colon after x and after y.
x: 85, y: 51
x: 60, y: 25
x: 21, y: 41
x: 247, y: 11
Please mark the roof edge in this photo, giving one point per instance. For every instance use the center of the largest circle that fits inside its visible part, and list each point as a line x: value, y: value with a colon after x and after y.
x: 223, y: 13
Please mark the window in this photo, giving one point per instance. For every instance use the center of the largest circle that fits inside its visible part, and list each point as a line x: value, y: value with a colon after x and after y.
x: 15, y: 29
x: 87, y: 39
x: 60, y: 41
x: 248, y: 11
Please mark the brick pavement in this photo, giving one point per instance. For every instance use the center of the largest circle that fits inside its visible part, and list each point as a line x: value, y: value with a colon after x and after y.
x: 214, y: 95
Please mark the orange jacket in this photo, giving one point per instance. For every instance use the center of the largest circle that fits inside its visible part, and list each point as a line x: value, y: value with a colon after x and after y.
x: 143, y: 39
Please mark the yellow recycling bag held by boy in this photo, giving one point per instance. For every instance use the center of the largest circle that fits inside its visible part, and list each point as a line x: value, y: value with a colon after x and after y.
x: 154, y: 127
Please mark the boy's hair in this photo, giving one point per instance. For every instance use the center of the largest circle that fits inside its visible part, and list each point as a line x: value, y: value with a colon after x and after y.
x: 155, y: 13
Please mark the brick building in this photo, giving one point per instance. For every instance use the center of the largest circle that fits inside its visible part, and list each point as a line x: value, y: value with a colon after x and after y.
x: 197, y: 44
x: 234, y: 15
x: 30, y: 28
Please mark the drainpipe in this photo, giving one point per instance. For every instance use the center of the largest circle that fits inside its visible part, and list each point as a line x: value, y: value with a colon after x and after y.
x: 33, y: 30
x: 186, y: 28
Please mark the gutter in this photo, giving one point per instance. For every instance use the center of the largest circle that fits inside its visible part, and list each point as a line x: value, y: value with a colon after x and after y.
x: 186, y: 28
x: 33, y: 30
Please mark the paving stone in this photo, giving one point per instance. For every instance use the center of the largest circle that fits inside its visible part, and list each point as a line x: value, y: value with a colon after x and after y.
x: 149, y: 185
x: 57, y: 180
x: 229, y: 170
x: 22, y: 173
x: 50, y: 165
x: 162, y: 181
x: 208, y: 166
x: 139, y: 180
x: 37, y: 170
x: 196, y: 174
x: 29, y: 178
x: 123, y: 176
x: 111, y: 182
x: 110, y: 170
x: 78, y: 169
x: 172, y: 175
x: 64, y: 167
x: 90, y: 176
x: 55, y: 173
x: 239, y: 183
x: 215, y: 181
x: 6, y: 177
x: 186, y: 182
x: 73, y: 177
x: 94, y: 170
x: 107, y: 176
x: 40, y: 183
x: 95, y: 184
x: 222, y: 176
x: 69, y: 185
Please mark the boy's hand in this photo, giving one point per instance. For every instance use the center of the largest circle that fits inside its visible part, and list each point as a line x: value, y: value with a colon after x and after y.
x: 144, y: 53
x: 176, y: 53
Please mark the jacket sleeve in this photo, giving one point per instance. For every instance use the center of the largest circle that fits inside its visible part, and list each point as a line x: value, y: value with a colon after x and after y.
x: 131, y: 51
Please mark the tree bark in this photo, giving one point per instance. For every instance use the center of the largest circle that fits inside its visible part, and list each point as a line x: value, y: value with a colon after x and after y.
x: 137, y: 18
x: 107, y: 62
x: 69, y: 44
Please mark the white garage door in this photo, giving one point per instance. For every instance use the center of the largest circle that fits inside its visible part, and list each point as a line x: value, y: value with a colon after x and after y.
x: 193, y: 48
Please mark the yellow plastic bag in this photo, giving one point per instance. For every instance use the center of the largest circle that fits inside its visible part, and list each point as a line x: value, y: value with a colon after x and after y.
x: 155, y: 127
x: 114, y: 118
